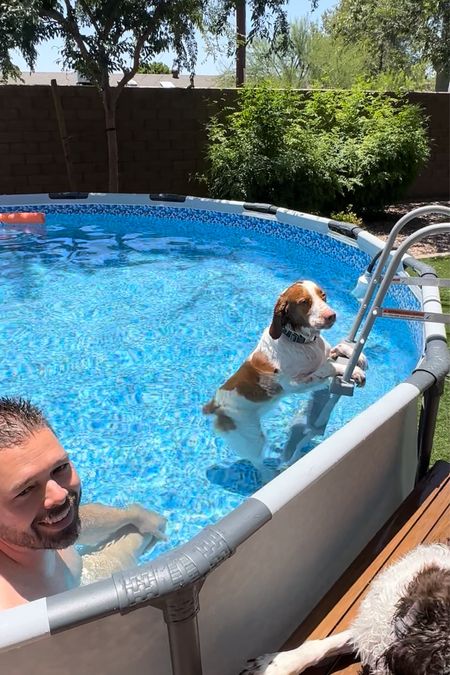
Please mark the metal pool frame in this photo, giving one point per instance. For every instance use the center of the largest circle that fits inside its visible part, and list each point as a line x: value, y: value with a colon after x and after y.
x: 172, y: 583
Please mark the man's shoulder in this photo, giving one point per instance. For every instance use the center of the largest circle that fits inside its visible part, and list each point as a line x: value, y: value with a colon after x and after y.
x: 22, y: 586
x: 9, y: 595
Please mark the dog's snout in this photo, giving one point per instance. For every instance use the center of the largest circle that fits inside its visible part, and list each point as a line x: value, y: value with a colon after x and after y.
x: 330, y: 317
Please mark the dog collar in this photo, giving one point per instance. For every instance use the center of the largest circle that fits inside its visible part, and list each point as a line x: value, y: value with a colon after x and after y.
x: 297, y: 337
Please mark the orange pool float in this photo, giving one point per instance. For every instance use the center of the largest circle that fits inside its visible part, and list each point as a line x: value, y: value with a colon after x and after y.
x: 17, y: 218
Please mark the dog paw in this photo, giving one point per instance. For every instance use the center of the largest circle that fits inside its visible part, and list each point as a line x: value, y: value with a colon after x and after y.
x: 359, y: 377
x: 346, y: 349
x: 271, y: 664
x: 257, y: 666
x: 363, y: 362
x: 263, y: 665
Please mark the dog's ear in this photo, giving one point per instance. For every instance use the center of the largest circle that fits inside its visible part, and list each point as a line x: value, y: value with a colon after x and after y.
x: 279, y: 318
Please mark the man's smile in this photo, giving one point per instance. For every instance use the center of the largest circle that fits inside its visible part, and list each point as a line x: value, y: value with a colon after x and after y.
x: 59, y: 520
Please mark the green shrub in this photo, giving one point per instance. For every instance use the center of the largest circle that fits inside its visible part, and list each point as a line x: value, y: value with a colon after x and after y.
x: 347, y: 216
x: 318, y: 152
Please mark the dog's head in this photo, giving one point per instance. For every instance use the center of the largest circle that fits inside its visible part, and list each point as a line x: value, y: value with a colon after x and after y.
x: 422, y: 627
x: 302, y: 305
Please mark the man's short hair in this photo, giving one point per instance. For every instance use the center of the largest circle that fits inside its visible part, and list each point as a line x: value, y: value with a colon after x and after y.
x: 18, y: 420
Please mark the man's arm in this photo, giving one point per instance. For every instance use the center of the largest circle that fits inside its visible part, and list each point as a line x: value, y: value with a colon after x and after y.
x: 100, y: 523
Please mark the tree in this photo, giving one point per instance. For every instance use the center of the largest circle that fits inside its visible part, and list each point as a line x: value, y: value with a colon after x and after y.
x: 311, y: 58
x: 105, y: 36
x: 288, y: 67
x: 397, y: 33
x: 315, y: 59
x: 154, y: 68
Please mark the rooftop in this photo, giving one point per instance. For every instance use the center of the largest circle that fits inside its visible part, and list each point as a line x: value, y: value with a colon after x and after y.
x: 165, y: 81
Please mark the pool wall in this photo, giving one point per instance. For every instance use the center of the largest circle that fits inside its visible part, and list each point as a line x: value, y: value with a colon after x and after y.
x: 257, y: 572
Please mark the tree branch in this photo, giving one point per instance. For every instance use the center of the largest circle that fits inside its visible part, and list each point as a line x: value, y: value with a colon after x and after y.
x: 70, y: 10
x: 91, y: 16
x: 71, y: 28
x: 136, y: 55
x: 109, y: 22
x: 68, y: 26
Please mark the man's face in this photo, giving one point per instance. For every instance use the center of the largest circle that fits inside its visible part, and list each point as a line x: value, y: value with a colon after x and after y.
x: 39, y: 494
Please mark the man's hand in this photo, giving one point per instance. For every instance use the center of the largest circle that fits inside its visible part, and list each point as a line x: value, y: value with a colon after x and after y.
x: 100, y: 523
x: 115, y: 538
x: 147, y: 521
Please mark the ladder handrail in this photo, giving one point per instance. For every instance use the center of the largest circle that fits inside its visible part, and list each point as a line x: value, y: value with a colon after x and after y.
x: 376, y: 275
x: 430, y: 230
x: 308, y: 427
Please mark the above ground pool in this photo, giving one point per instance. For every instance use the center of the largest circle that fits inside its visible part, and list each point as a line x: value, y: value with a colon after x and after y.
x: 120, y: 316
x: 121, y: 321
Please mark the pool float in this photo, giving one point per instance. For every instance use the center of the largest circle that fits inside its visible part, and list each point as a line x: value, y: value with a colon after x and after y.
x: 19, y: 218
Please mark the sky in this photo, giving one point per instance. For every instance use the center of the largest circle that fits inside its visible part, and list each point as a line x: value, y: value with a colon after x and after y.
x: 206, y: 65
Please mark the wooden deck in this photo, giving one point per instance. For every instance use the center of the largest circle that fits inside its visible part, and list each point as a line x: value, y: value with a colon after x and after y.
x: 422, y: 518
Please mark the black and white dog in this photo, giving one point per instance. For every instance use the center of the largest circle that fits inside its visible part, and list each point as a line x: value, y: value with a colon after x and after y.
x: 402, y: 628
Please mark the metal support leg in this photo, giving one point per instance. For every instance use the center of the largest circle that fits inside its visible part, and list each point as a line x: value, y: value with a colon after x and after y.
x: 180, y: 614
x: 427, y: 426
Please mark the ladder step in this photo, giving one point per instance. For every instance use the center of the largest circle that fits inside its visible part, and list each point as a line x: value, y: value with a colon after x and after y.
x: 421, y: 281
x: 412, y: 315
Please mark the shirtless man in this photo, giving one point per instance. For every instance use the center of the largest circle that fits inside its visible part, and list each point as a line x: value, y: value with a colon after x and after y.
x: 41, y: 519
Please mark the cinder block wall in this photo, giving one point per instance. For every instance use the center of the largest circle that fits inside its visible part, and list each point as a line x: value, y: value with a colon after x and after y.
x: 161, y: 135
x: 434, y: 180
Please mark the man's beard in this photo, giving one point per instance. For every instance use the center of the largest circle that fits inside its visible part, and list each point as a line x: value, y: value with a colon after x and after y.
x: 38, y: 537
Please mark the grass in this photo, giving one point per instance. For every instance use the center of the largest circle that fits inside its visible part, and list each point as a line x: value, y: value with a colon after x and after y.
x: 441, y: 445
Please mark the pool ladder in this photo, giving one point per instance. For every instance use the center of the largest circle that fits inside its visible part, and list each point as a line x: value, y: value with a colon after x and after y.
x: 313, y: 421
x: 383, y: 275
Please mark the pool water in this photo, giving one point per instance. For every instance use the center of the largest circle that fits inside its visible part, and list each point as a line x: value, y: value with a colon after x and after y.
x: 122, y: 326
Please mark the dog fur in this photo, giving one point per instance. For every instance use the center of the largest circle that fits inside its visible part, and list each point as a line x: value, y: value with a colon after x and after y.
x: 290, y: 357
x: 402, y: 627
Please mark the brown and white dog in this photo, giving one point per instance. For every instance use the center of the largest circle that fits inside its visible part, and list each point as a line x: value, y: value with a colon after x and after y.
x: 402, y: 628
x: 290, y: 357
